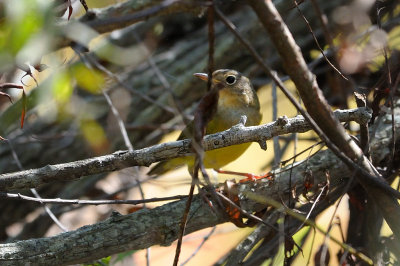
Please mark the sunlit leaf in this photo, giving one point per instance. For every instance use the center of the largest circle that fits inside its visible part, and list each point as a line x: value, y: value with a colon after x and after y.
x: 94, y: 135
x: 62, y: 87
x: 69, y: 11
x: 314, y: 54
x: 88, y: 79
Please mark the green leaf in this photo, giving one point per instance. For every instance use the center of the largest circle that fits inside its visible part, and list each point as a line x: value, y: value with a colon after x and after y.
x: 62, y: 88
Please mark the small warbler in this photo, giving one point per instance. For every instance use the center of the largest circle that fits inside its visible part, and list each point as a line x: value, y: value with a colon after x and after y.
x: 236, y: 98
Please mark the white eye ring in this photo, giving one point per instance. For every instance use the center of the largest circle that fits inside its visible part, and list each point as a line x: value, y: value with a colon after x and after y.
x: 230, y: 80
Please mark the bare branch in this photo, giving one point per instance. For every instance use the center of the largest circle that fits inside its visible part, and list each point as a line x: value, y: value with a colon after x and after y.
x: 118, y: 233
x: 87, y: 202
x: 107, y: 19
x: 144, y: 157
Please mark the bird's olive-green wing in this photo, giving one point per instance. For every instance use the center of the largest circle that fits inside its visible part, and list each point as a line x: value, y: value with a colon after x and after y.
x: 168, y: 165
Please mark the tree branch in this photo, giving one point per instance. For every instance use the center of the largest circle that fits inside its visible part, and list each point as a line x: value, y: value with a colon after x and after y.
x: 118, y: 233
x: 107, y: 19
x: 144, y: 157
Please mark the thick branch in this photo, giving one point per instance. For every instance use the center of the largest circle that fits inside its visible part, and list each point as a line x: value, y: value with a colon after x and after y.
x: 144, y: 157
x: 118, y: 16
x: 119, y: 233
x: 110, y: 18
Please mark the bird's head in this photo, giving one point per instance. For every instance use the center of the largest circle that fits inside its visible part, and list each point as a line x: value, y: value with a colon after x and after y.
x: 233, y: 86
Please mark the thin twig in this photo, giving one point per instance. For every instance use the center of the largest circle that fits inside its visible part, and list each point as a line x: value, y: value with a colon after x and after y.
x: 317, y: 43
x: 313, y: 206
x: 323, y: 21
x: 183, y: 222
x: 197, y: 136
x: 211, y: 42
x: 200, y: 246
x: 120, y: 122
x: 35, y: 193
x: 277, y: 149
x: 88, y: 202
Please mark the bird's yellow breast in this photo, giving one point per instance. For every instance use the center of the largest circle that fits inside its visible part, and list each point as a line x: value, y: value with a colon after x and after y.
x: 212, y: 159
x: 221, y: 157
x: 230, y: 109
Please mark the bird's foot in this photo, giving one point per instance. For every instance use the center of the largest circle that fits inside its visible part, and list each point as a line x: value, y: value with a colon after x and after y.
x: 249, y: 176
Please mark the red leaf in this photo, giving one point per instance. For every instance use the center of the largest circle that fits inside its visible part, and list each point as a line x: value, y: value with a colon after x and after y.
x: 23, y: 108
x: 69, y: 9
x: 134, y: 209
x: 40, y: 67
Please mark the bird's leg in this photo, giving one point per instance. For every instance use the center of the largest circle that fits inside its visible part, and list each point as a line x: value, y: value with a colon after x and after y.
x: 249, y: 176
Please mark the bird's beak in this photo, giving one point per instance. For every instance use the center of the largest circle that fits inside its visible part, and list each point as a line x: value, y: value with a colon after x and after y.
x: 201, y: 76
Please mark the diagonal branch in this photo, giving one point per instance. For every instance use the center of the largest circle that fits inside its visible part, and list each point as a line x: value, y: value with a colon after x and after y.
x: 319, y: 110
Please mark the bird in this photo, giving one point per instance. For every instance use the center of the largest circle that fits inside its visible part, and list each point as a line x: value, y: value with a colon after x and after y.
x: 237, y: 98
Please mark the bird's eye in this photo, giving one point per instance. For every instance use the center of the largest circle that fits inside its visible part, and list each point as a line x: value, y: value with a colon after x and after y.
x: 230, y: 80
